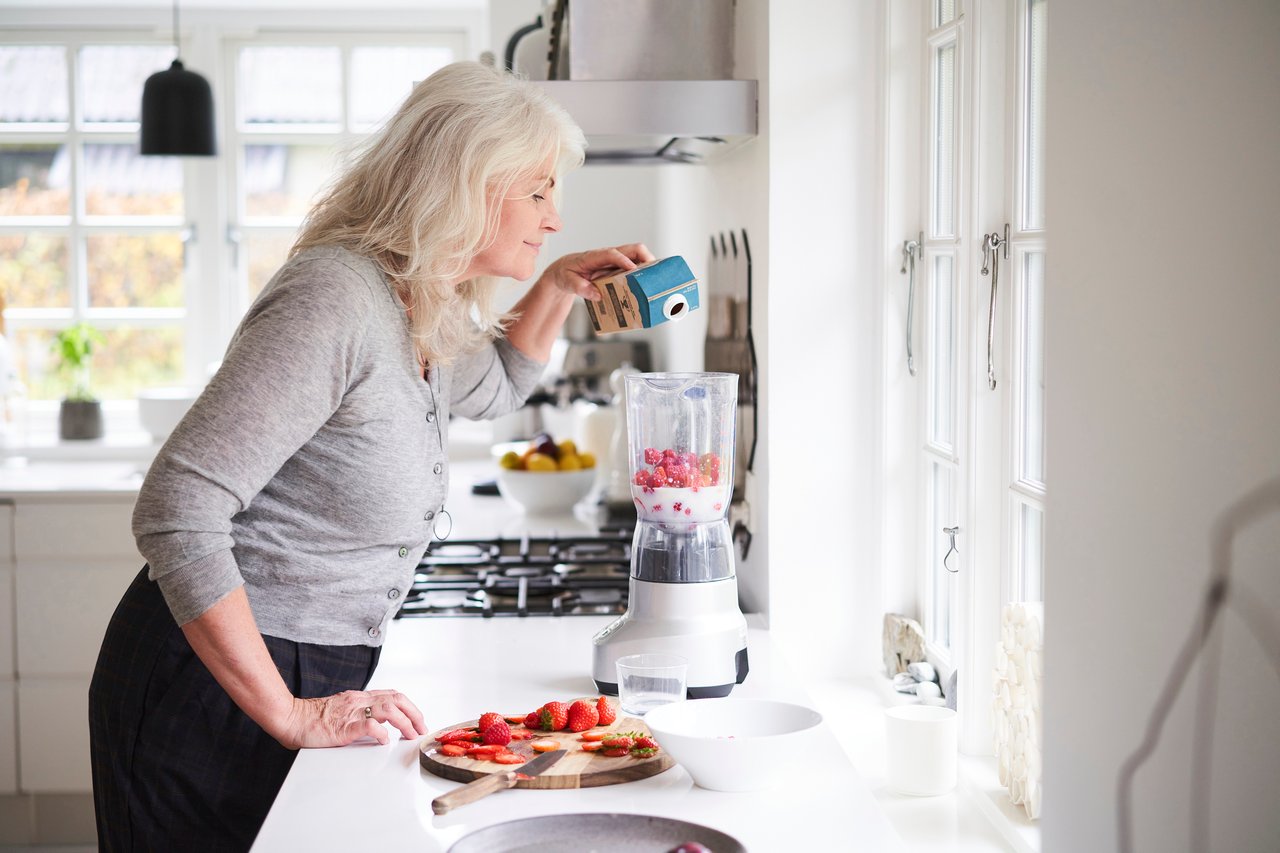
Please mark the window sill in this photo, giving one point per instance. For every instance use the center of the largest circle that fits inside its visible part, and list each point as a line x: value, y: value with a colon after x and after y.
x: 975, y: 818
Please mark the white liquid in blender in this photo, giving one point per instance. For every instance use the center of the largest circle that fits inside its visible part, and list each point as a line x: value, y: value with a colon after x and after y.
x: 667, y: 504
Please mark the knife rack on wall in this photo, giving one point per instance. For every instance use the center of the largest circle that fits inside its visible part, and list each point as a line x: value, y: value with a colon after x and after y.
x: 730, y: 348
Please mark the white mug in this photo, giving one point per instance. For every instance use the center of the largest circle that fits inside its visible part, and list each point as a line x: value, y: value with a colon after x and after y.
x: 921, y: 749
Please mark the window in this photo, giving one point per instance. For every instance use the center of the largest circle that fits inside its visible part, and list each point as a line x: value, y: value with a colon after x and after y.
x: 164, y: 254
x: 89, y: 230
x: 977, y: 89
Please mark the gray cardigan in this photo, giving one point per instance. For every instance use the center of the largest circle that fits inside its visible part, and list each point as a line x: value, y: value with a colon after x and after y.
x: 312, y: 466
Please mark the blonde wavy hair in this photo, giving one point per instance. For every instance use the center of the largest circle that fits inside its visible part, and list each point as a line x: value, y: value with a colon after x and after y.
x: 422, y: 196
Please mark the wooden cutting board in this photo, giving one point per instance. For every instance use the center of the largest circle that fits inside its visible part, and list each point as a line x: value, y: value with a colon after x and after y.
x: 575, y: 769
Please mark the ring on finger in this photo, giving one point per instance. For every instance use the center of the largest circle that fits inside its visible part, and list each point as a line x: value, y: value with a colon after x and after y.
x: 368, y: 712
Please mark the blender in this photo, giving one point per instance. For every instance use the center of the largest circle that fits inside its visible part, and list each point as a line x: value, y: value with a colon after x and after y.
x: 683, y: 591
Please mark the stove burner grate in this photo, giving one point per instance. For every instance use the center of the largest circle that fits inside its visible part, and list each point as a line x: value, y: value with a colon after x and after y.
x: 529, y: 576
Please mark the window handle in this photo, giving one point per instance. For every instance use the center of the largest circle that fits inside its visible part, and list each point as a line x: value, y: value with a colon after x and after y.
x: 911, y: 250
x: 188, y: 236
x: 992, y: 247
x: 951, y: 532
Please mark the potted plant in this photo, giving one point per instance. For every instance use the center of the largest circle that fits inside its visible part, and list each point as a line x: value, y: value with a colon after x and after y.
x: 80, y: 416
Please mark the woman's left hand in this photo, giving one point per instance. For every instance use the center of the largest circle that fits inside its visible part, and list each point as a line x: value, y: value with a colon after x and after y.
x: 573, y: 273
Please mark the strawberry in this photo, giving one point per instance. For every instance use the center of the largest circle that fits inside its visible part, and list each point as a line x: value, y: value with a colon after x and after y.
x: 547, y: 745
x: 645, y: 743
x: 456, y: 734
x: 508, y: 758
x: 606, y: 710
x: 553, y: 717
x: 582, y: 715
x: 499, y: 733
x: 487, y: 720
x: 454, y: 749
x: 652, y: 456
x: 621, y: 742
x: 592, y: 737
x: 590, y: 747
x: 514, y: 719
x: 613, y: 753
x: 532, y: 720
x: 485, y: 750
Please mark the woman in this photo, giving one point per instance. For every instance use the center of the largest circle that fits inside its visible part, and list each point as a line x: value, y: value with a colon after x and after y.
x: 282, y: 520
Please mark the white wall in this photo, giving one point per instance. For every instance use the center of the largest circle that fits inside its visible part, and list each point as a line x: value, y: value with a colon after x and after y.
x: 1161, y: 311
x: 823, y: 301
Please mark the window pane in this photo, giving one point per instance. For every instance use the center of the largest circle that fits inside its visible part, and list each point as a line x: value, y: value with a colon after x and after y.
x: 112, y: 77
x: 1033, y: 165
x: 118, y: 181
x: 944, y: 12
x: 135, y: 271
x: 266, y: 253
x: 134, y: 358
x: 282, y: 180
x: 942, y: 515
x: 290, y: 85
x: 33, y: 84
x: 1032, y: 567
x: 942, y: 353
x: 381, y: 78
x: 1033, y: 367
x: 33, y: 358
x: 35, y: 180
x: 943, y: 140
x: 33, y: 270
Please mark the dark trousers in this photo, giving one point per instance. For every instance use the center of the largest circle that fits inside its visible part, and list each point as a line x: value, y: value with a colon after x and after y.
x: 176, y: 765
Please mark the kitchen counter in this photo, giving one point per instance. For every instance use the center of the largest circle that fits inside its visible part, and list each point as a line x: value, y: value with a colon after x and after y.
x: 366, y: 796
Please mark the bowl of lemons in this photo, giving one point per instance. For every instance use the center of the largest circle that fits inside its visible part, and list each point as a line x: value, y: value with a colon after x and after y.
x: 546, y: 476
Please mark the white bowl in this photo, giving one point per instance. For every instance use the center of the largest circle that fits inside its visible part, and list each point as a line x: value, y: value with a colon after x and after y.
x: 545, y: 491
x: 736, y: 744
x: 161, y: 409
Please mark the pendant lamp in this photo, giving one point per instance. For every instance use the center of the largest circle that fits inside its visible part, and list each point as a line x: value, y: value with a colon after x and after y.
x: 177, y: 110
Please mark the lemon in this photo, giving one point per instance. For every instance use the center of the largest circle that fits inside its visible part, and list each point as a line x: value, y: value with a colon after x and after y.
x: 510, y: 460
x: 568, y: 448
x: 570, y: 462
x: 588, y: 460
x: 540, y: 462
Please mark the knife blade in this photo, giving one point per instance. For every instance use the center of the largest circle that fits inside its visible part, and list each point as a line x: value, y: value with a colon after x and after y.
x: 486, y: 785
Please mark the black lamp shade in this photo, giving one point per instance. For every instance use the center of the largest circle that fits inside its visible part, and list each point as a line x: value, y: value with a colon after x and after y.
x: 177, y: 113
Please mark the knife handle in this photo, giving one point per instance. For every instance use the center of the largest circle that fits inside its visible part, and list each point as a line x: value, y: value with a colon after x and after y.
x: 473, y: 790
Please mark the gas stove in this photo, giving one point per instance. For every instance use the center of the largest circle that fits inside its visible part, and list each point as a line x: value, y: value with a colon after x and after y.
x: 529, y: 576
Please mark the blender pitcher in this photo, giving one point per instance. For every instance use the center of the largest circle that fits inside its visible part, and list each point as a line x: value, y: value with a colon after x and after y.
x: 683, y: 592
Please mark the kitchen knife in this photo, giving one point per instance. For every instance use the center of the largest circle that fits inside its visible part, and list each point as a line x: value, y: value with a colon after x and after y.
x: 486, y: 785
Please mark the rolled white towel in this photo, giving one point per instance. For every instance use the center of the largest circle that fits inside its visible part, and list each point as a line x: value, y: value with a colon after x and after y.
x: 1032, y: 800
x: 922, y: 671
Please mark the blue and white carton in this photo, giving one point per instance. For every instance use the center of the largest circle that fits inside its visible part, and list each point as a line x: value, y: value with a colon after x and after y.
x: 647, y: 296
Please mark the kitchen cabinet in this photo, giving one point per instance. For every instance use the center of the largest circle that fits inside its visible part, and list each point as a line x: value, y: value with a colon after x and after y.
x: 64, y: 562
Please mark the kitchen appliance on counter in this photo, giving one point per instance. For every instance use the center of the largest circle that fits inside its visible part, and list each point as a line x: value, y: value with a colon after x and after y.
x: 587, y: 361
x: 683, y: 596
x: 529, y: 576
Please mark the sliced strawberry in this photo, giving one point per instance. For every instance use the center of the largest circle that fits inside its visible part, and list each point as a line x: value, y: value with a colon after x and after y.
x: 618, y: 742
x: 514, y: 719
x: 454, y: 749
x: 614, y: 753
x: 590, y: 747
x: 508, y: 758
x: 456, y: 734
x: 546, y: 745
x: 645, y: 743
x: 486, y: 749
x: 643, y: 753
x: 591, y: 737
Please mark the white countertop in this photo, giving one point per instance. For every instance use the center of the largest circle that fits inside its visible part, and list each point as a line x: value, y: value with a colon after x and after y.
x: 367, y: 796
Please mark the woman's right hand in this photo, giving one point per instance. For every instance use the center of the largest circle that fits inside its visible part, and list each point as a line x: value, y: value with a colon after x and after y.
x: 345, y: 717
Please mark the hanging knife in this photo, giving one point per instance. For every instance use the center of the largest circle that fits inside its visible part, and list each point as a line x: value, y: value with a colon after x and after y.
x: 486, y: 785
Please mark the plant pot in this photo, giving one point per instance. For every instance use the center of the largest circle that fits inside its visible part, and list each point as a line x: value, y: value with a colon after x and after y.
x: 80, y: 420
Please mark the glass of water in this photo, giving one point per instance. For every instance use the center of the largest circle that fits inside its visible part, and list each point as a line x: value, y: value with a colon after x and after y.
x: 649, y: 680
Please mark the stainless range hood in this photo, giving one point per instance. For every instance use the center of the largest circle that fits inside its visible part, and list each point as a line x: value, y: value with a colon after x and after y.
x: 683, y: 121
